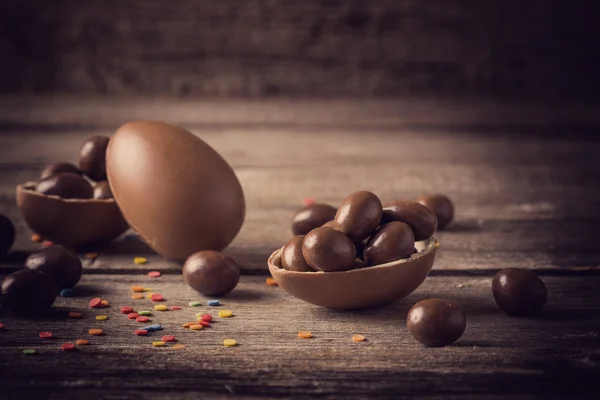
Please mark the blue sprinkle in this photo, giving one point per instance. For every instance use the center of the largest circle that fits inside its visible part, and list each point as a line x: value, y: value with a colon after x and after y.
x: 67, y: 293
x: 213, y: 303
x: 152, y: 328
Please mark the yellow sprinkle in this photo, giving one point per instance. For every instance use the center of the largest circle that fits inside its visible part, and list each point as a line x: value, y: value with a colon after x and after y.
x: 82, y: 342
x: 91, y: 256
x: 161, y: 307
x: 437, y: 244
x: 101, y: 317
x: 196, y: 327
x: 147, y: 289
x: 105, y: 303
x: 140, y: 260
x: 225, y: 313
x: 179, y: 346
x: 137, y: 296
x: 229, y: 342
x: 159, y: 344
x: 149, y: 296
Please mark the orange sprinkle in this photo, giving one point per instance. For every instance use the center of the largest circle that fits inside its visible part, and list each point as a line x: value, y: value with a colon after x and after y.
x: 75, y: 314
x: 137, y: 289
x: 104, y: 303
x: 95, y: 332
x: 271, y: 282
x: 91, y: 256
x: 82, y: 342
x: 196, y: 327
x: 358, y: 338
x: 137, y: 296
x: 47, y: 243
x: 188, y: 324
x: 178, y: 346
x: 304, y: 335
x: 36, y: 238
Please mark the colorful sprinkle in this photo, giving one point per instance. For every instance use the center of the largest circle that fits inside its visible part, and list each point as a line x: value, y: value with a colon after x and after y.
x: 95, y: 332
x: 36, y: 238
x: 47, y: 243
x: 358, y: 338
x: 168, y: 338
x: 149, y: 296
x: 153, y: 328
x: 271, y: 282
x: 133, y: 315
x: 161, y: 307
x: 137, y: 296
x: 229, y: 342
x: 74, y: 314
x: 96, y: 302
x: 153, y: 274
x: 147, y: 289
x: 67, y: 293
x: 196, y: 327
x: 159, y: 344
x: 140, y: 260
x: 206, y: 317
x: 157, y: 297
x: 145, y: 313
x: 101, y: 317
x: 137, y: 289
x: 68, y: 347
x: 82, y: 342
x: 141, y: 332
x: 126, y: 310
x: 142, y: 318
x: 91, y: 256
x: 308, y: 201
x: 105, y: 303
x: 225, y: 313
x: 213, y: 303
x: 1, y: 325
x: 28, y: 351
x: 188, y: 324
x: 194, y: 304
x: 203, y: 323
x: 45, y: 335
x: 304, y: 335
x: 179, y: 346
x: 175, y: 308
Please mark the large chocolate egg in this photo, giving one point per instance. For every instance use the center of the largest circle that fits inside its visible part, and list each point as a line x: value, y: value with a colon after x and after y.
x: 177, y: 192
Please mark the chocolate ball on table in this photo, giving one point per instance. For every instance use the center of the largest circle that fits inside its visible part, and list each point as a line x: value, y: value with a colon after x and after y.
x: 211, y: 273
x: 421, y: 219
x: 92, y: 157
x: 65, y: 186
x: 102, y: 191
x: 519, y: 292
x: 28, y: 291
x: 59, y: 168
x: 292, y: 258
x: 7, y: 235
x: 329, y: 250
x: 436, y: 322
x: 441, y: 206
x: 311, y: 217
x: 63, y: 266
x: 359, y: 215
x: 390, y: 242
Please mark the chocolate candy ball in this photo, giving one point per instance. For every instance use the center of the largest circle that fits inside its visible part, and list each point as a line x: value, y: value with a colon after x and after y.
x: 390, y: 242
x: 211, y: 273
x: 102, y: 191
x: 58, y: 263
x: 92, y: 158
x: 329, y: 250
x: 421, y: 219
x: 358, y: 264
x: 7, y: 235
x: 311, y: 217
x: 27, y: 291
x: 442, y: 208
x: 66, y: 186
x: 359, y: 215
x: 519, y: 292
x: 436, y: 322
x: 59, y: 168
x: 292, y: 258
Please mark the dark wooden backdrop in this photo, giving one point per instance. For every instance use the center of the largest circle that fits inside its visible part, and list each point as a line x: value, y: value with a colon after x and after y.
x: 256, y: 48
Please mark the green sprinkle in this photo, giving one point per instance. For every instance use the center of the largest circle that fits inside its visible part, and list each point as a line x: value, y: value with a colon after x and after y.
x: 194, y: 303
x: 29, y: 351
x: 145, y: 313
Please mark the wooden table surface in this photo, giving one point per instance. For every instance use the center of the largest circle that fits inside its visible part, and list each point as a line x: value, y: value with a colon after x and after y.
x: 526, y: 195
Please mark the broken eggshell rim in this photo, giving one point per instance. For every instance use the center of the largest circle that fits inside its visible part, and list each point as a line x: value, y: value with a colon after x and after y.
x: 29, y: 188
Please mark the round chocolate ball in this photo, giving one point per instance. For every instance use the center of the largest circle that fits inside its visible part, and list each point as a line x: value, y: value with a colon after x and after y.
x: 519, y: 292
x: 359, y: 215
x: 92, y: 158
x: 421, y: 219
x: 311, y: 217
x: 102, y: 190
x: 59, y: 168
x: 27, y: 291
x: 7, y: 235
x: 436, y: 322
x: 441, y: 206
x: 390, y: 242
x: 358, y: 264
x: 292, y: 258
x: 329, y: 250
x: 65, y: 186
x: 58, y: 263
x: 211, y: 273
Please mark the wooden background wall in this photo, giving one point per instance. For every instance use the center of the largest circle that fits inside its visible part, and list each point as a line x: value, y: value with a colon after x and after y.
x: 257, y: 48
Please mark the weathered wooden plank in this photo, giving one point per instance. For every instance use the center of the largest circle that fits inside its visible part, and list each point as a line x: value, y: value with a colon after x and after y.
x: 497, y: 356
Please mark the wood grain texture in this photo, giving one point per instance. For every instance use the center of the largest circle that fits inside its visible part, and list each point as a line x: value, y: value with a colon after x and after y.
x: 316, y: 47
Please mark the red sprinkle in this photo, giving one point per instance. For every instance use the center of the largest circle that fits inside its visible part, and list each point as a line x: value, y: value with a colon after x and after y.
x: 47, y: 243
x: 133, y: 315
x: 308, y: 201
x: 206, y: 317
x: 68, y: 347
x: 153, y: 274
x: 126, y: 310
x: 203, y: 323
x: 168, y: 338
x: 141, y: 332
x: 45, y: 335
x: 1, y: 325
x: 175, y: 308
x: 142, y: 318
x: 96, y: 302
x: 157, y: 297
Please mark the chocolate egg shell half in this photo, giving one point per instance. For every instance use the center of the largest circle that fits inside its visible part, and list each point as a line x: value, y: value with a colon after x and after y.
x: 70, y: 222
x: 357, y: 288
x: 177, y: 192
